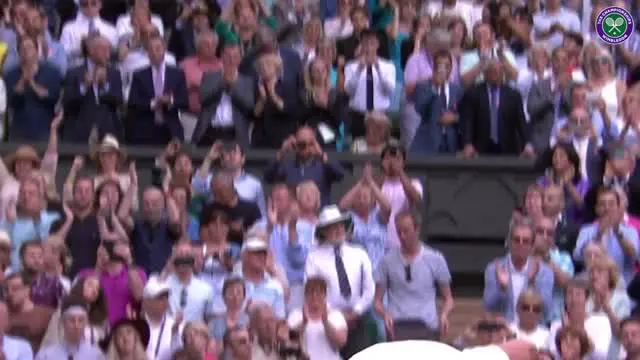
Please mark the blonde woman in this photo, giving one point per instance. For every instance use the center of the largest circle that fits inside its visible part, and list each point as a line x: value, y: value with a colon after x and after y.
x: 277, y: 104
x: 527, y: 327
x: 323, y: 107
x: 308, y: 197
x: 312, y: 33
x: 606, y: 296
x: 128, y: 340
x: 377, y: 134
x: 602, y: 82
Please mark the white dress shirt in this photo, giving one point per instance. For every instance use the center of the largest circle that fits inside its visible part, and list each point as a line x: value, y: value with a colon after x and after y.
x: 335, y: 30
x: 223, y: 118
x: 384, y: 84
x: 519, y: 280
x: 161, y: 333
x: 582, y: 146
x: 124, y: 27
x: 74, y: 31
x: 462, y: 9
x: 321, y: 261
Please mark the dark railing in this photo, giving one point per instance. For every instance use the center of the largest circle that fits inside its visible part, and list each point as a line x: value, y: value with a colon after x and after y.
x: 467, y: 204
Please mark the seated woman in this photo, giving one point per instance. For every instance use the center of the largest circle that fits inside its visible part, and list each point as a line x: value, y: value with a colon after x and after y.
x: 234, y: 312
x: 377, y: 134
x: 573, y: 344
x: 128, y: 339
x: 562, y: 167
x: 528, y: 327
x: 607, y: 297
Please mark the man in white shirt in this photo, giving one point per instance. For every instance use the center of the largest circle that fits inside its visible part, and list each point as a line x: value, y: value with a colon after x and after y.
x: 551, y: 24
x: 370, y: 82
x: 164, y: 329
x: 451, y: 9
x: 88, y: 21
x: 349, y: 276
x: 340, y: 26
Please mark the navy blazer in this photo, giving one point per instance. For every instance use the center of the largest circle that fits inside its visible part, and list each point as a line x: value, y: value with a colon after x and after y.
x: 141, y: 125
x: 431, y: 135
x: 32, y: 114
x: 84, y: 109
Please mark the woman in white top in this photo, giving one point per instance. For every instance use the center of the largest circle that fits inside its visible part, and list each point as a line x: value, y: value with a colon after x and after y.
x: 125, y: 23
x: 573, y: 344
x: 597, y: 327
x: 340, y: 26
x: 323, y: 331
x: 527, y: 326
x: 607, y: 296
x: 601, y: 79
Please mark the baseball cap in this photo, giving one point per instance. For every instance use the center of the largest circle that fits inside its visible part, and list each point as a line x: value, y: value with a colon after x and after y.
x: 254, y: 244
x: 155, y: 287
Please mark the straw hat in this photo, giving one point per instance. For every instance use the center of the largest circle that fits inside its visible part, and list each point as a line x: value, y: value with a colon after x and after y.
x: 23, y: 152
x: 109, y: 144
x: 330, y: 215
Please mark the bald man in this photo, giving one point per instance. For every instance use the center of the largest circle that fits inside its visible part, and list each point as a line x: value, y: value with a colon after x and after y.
x: 416, y: 350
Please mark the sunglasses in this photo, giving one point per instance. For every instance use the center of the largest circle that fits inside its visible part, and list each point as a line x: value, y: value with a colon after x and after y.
x: 521, y: 240
x: 407, y: 273
x: 183, y: 298
x: 545, y: 232
x: 88, y: 3
x: 534, y: 308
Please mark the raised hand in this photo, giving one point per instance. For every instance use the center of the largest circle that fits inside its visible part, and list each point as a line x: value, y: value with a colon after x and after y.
x: 78, y: 163
x: 272, y: 213
x: 534, y: 266
x: 133, y: 174
x: 57, y: 120
x: 502, y: 275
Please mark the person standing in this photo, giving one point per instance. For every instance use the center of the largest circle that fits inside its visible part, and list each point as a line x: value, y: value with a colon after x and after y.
x: 410, y: 275
x: 347, y: 269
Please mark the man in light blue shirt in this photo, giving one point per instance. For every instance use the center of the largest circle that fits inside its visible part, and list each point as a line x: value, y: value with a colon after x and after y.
x: 32, y: 222
x: 232, y: 158
x: 260, y: 287
x: 73, y: 346
x: 610, y: 231
x: 189, y: 296
x: 12, y: 348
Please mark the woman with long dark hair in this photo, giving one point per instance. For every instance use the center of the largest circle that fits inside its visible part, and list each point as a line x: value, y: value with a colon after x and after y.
x: 88, y: 291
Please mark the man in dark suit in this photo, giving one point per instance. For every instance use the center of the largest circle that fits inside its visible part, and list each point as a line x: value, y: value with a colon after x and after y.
x: 227, y: 99
x: 158, y: 92
x: 492, y: 117
x: 266, y: 42
x: 92, y: 95
x: 436, y: 103
x: 348, y: 47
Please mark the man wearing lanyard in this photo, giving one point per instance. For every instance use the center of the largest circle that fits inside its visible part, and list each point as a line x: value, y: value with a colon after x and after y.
x: 164, y: 329
x: 73, y: 346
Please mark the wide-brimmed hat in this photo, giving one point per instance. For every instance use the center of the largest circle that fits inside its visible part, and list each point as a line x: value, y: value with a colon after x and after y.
x: 155, y: 287
x: 23, y: 152
x: 254, y: 244
x: 140, y: 325
x: 330, y: 215
x: 109, y: 144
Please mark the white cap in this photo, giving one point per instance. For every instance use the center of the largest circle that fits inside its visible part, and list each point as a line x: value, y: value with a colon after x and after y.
x: 416, y: 350
x: 155, y: 287
x: 254, y: 244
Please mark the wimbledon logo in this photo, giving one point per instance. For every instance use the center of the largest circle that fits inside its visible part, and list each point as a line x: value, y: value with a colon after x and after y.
x: 614, y: 25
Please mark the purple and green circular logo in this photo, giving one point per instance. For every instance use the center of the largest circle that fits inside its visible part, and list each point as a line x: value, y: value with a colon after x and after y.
x: 614, y: 25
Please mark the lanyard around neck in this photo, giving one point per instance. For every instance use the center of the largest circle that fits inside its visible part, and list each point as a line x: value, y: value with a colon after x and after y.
x: 155, y: 356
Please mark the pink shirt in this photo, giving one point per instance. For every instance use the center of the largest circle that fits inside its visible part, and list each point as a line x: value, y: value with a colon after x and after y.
x: 394, y: 192
x: 193, y: 70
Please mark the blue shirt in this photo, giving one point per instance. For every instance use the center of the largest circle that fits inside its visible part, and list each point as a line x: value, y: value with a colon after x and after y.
x: 269, y: 292
x: 218, y: 325
x: 16, y: 348
x: 293, y: 172
x: 563, y: 261
x: 249, y: 188
x: 371, y: 234
x: 213, y: 271
x: 195, y: 300
x: 612, y: 245
x: 25, y: 229
x: 291, y: 256
x: 59, y: 351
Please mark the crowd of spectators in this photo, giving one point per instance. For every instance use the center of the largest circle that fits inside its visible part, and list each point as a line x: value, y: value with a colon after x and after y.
x: 203, y: 263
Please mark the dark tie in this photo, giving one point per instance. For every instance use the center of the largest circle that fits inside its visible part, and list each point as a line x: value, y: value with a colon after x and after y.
x: 369, y: 88
x: 343, y: 280
x: 494, y: 104
x: 443, y: 99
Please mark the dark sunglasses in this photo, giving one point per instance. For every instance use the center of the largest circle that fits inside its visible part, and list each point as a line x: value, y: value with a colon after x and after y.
x: 545, y: 232
x: 88, y: 3
x: 534, y: 308
x: 521, y: 240
x: 407, y: 273
x: 183, y: 298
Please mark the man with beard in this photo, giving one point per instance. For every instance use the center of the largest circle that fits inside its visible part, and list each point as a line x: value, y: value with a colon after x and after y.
x: 46, y: 289
x: 27, y: 320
